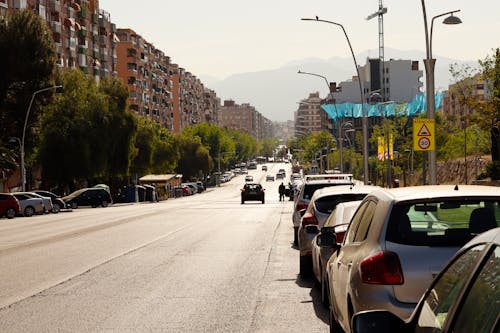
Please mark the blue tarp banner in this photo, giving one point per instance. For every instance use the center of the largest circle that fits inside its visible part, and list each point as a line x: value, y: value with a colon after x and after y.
x: 351, y: 110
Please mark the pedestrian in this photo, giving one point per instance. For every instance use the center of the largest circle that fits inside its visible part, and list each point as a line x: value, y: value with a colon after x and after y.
x: 281, y: 191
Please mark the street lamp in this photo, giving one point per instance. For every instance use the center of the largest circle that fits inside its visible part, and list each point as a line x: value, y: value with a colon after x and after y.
x: 331, y: 90
x: 430, y: 63
x: 364, y: 117
x: 23, y: 170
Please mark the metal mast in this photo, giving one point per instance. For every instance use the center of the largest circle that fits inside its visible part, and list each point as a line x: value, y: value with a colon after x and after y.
x: 380, y: 13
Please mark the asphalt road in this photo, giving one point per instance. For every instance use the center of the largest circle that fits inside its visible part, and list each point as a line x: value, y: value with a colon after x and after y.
x: 203, y: 263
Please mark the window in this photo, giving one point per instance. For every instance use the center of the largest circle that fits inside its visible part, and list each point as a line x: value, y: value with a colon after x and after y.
x: 365, y: 223
x: 480, y: 309
x: 441, y: 297
x: 356, y: 219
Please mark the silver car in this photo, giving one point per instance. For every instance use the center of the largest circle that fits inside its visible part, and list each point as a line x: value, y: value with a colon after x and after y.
x: 322, y: 203
x: 29, y: 205
x: 47, y: 201
x: 397, y: 242
x: 336, y: 223
x: 305, y: 191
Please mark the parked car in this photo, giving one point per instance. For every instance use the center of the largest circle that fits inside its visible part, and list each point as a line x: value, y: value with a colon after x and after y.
x: 269, y: 178
x: 336, y: 223
x: 280, y: 175
x: 462, y: 298
x: 192, y: 186
x: 244, y: 171
x: 93, y: 197
x: 303, y: 194
x: 57, y: 201
x: 47, y: 201
x: 252, y: 192
x: 398, y: 240
x: 9, y: 205
x: 264, y: 168
x: 321, y: 205
x: 29, y: 205
x: 248, y: 178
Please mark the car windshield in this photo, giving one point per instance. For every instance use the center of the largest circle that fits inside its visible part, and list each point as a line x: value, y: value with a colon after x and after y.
x: 310, y: 188
x: 441, y: 223
x: 253, y: 187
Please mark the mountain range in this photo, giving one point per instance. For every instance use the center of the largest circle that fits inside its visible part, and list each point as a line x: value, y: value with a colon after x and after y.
x: 276, y: 92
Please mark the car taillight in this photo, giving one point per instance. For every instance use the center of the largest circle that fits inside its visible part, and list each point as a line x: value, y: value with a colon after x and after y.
x: 309, y: 218
x: 382, y: 268
x: 300, y: 207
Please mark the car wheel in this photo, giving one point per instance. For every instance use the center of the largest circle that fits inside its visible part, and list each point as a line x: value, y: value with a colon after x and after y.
x: 334, y: 325
x: 74, y: 205
x: 104, y: 203
x: 10, y: 213
x: 56, y: 208
x: 29, y: 211
x: 305, y: 266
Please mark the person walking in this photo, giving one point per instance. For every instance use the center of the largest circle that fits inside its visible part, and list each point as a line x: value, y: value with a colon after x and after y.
x: 281, y: 191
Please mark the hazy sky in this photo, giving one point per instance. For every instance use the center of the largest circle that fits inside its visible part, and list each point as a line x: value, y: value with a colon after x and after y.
x: 222, y: 37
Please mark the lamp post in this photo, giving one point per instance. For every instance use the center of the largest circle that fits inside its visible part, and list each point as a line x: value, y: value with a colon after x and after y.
x: 410, y: 164
x: 362, y: 95
x: 14, y: 140
x: 429, y: 64
x: 339, y: 130
x: 23, y: 170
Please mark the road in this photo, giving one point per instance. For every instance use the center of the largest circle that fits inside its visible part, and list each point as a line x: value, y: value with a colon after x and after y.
x: 203, y: 263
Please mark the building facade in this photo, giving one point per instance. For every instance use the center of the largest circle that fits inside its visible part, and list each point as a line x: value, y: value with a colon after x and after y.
x: 244, y: 118
x: 310, y: 117
x: 454, y: 109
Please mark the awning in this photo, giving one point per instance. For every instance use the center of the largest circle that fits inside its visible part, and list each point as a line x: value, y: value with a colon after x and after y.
x: 158, y: 178
x: 76, y: 6
x: 115, y: 38
x: 77, y: 26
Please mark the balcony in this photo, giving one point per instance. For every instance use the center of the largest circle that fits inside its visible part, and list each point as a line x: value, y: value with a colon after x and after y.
x: 56, y: 26
x: 82, y: 60
x: 55, y: 6
x: 103, y: 40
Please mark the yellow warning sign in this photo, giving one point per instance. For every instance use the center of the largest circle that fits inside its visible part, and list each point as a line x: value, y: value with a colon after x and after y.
x: 423, y: 135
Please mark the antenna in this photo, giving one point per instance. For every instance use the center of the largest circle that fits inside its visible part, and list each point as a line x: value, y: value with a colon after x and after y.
x: 380, y: 13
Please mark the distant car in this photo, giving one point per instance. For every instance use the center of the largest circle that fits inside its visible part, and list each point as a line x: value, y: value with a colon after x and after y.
x: 264, y: 168
x: 322, y: 203
x: 29, y: 205
x: 269, y: 178
x: 398, y: 240
x: 93, y: 197
x: 244, y: 171
x: 252, y: 192
x: 280, y: 175
x: 336, y: 223
x: 9, y: 205
x: 248, y: 178
x: 47, y: 201
x: 193, y: 186
x: 57, y: 201
x: 462, y: 298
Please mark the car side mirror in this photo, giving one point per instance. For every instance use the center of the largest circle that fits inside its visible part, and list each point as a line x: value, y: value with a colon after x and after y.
x: 377, y: 321
x: 326, y: 239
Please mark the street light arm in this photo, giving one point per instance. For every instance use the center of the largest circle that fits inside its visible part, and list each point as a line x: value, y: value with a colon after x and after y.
x: 432, y: 28
x: 321, y: 76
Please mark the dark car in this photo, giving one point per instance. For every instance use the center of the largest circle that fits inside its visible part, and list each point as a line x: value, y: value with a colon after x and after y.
x: 57, y: 202
x: 252, y: 192
x: 88, y: 197
x: 9, y: 205
x: 463, y: 297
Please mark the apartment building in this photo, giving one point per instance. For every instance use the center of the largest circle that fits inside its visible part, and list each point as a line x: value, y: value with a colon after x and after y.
x: 146, y: 71
x: 309, y: 116
x: 244, y: 118
x: 454, y: 109
x: 401, y: 81
x: 84, y: 35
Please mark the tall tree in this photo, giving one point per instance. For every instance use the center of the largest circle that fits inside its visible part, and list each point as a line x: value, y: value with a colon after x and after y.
x: 195, y: 160
x: 27, y: 64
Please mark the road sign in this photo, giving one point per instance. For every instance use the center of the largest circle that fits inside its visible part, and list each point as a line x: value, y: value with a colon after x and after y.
x: 423, y: 135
